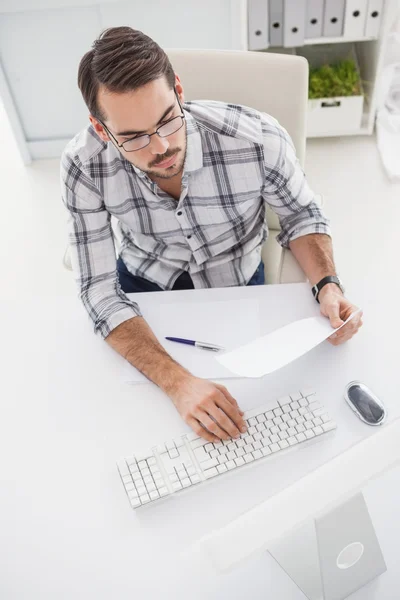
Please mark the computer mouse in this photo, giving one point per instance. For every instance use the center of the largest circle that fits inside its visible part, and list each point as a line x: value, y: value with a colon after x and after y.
x: 364, y: 403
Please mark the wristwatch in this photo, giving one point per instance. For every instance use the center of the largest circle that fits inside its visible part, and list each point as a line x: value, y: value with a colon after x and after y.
x: 330, y: 279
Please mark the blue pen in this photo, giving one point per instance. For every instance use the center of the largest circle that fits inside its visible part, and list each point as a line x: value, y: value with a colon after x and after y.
x: 202, y: 345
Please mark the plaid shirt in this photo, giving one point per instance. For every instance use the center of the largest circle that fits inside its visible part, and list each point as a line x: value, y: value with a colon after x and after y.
x: 237, y: 161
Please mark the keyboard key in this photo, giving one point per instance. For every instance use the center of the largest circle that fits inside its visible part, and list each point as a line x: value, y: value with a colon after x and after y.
x: 265, y: 451
x: 309, y: 434
x: 224, y: 449
x: 283, y: 427
x: 266, y: 442
x: 252, y: 430
x: 274, y: 438
x: 283, y: 435
x: 291, y: 431
x: 274, y: 448
x: 248, y: 458
x: 261, y: 418
x: 275, y: 429
x: 257, y: 445
x: 240, y: 443
x: 301, y: 437
x: 145, y: 498
x: 150, y: 487
x: 197, y: 442
x: 136, y: 503
x: 174, y: 453
x: 208, y: 464
x: 294, y: 414
x: 163, y: 491
x: 303, y: 402
x: 240, y: 452
x: 177, y: 486
x: 300, y: 428
x: 214, y: 453
x: 303, y: 410
x: 286, y: 409
x: 292, y: 422
x: 231, y: 455
x: 195, y: 478
x: 210, y: 473
x: 239, y: 461
x: 283, y: 444
x: 317, y: 421
x: 222, y: 459
x: 296, y: 396
x: 232, y: 446
x: 329, y: 426
x: 191, y: 470
x: 291, y: 441
x: 278, y: 421
x: 278, y: 412
x: 257, y: 454
x: 284, y: 400
x: 269, y: 415
x: 248, y: 448
x: 154, y: 495
x: 231, y: 464
x: 294, y: 405
x: 259, y: 427
x: 318, y: 430
x: 253, y: 421
x: 186, y: 482
x: 258, y: 436
x: 221, y: 468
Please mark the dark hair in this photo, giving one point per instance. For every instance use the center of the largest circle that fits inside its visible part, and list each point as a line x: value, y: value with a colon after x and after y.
x: 122, y: 59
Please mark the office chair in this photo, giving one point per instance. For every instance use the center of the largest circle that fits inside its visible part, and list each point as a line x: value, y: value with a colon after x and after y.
x: 273, y: 83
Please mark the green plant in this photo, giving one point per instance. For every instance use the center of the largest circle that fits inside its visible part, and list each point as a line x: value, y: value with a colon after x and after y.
x: 340, y: 79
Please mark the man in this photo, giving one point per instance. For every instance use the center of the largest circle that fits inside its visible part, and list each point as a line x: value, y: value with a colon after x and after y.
x: 188, y: 184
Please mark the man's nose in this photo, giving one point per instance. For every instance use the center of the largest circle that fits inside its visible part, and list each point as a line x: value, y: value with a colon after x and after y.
x: 158, y: 145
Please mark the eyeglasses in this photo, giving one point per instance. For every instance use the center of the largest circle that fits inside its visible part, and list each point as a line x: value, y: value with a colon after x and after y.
x: 141, y: 141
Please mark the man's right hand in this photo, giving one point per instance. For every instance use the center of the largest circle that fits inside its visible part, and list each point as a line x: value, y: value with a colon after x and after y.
x: 208, y: 408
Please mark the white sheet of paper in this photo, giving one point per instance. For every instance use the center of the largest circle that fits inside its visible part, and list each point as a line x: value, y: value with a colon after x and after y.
x: 275, y: 350
x: 226, y: 324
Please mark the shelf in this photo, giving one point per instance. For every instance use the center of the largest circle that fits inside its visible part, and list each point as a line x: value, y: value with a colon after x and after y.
x: 336, y: 40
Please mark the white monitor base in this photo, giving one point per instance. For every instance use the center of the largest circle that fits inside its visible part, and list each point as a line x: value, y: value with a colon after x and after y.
x: 333, y: 555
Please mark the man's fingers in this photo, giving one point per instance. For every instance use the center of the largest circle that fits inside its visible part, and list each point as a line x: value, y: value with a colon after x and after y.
x: 212, y: 425
x: 232, y: 412
x: 229, y: 396
x: 201, y: 431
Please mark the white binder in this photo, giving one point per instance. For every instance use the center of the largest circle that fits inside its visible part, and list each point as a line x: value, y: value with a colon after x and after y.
x: 258, y: 24
x: 276, y: 22
x: 354, y: 18
x: 333, y: 18
x: 374, y: 18
x: 314, y: 18
x: 294, y: 21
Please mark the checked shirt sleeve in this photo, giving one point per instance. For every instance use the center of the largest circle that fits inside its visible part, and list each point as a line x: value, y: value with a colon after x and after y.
x: 92, y: 251
x: 286, y: 190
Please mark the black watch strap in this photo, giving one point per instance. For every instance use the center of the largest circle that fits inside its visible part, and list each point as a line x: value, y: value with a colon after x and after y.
x: 330, y: 279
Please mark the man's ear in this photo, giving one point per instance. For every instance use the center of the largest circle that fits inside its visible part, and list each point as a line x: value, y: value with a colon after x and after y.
x: 99, y: 129
x: 179, y: 89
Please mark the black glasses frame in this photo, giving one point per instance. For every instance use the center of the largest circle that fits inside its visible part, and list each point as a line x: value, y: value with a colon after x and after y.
x: 148, y: 135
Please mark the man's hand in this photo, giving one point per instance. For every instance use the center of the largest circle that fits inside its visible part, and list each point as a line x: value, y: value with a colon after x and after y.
x: 209, y: 409
x: 337, y: 308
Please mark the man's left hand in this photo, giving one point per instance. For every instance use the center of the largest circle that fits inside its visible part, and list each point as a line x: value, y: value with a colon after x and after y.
x: 337, y: 308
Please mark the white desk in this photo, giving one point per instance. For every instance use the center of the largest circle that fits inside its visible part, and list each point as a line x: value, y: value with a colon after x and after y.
x: 66, y: 526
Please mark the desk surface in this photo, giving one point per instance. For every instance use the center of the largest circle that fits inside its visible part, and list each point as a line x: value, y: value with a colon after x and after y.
x: 67, y: 528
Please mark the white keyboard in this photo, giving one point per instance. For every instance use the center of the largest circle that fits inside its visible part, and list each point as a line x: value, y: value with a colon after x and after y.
x: 190, y: 460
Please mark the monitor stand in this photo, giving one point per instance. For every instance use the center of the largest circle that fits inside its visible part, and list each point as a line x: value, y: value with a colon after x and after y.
x: 334, y: 554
